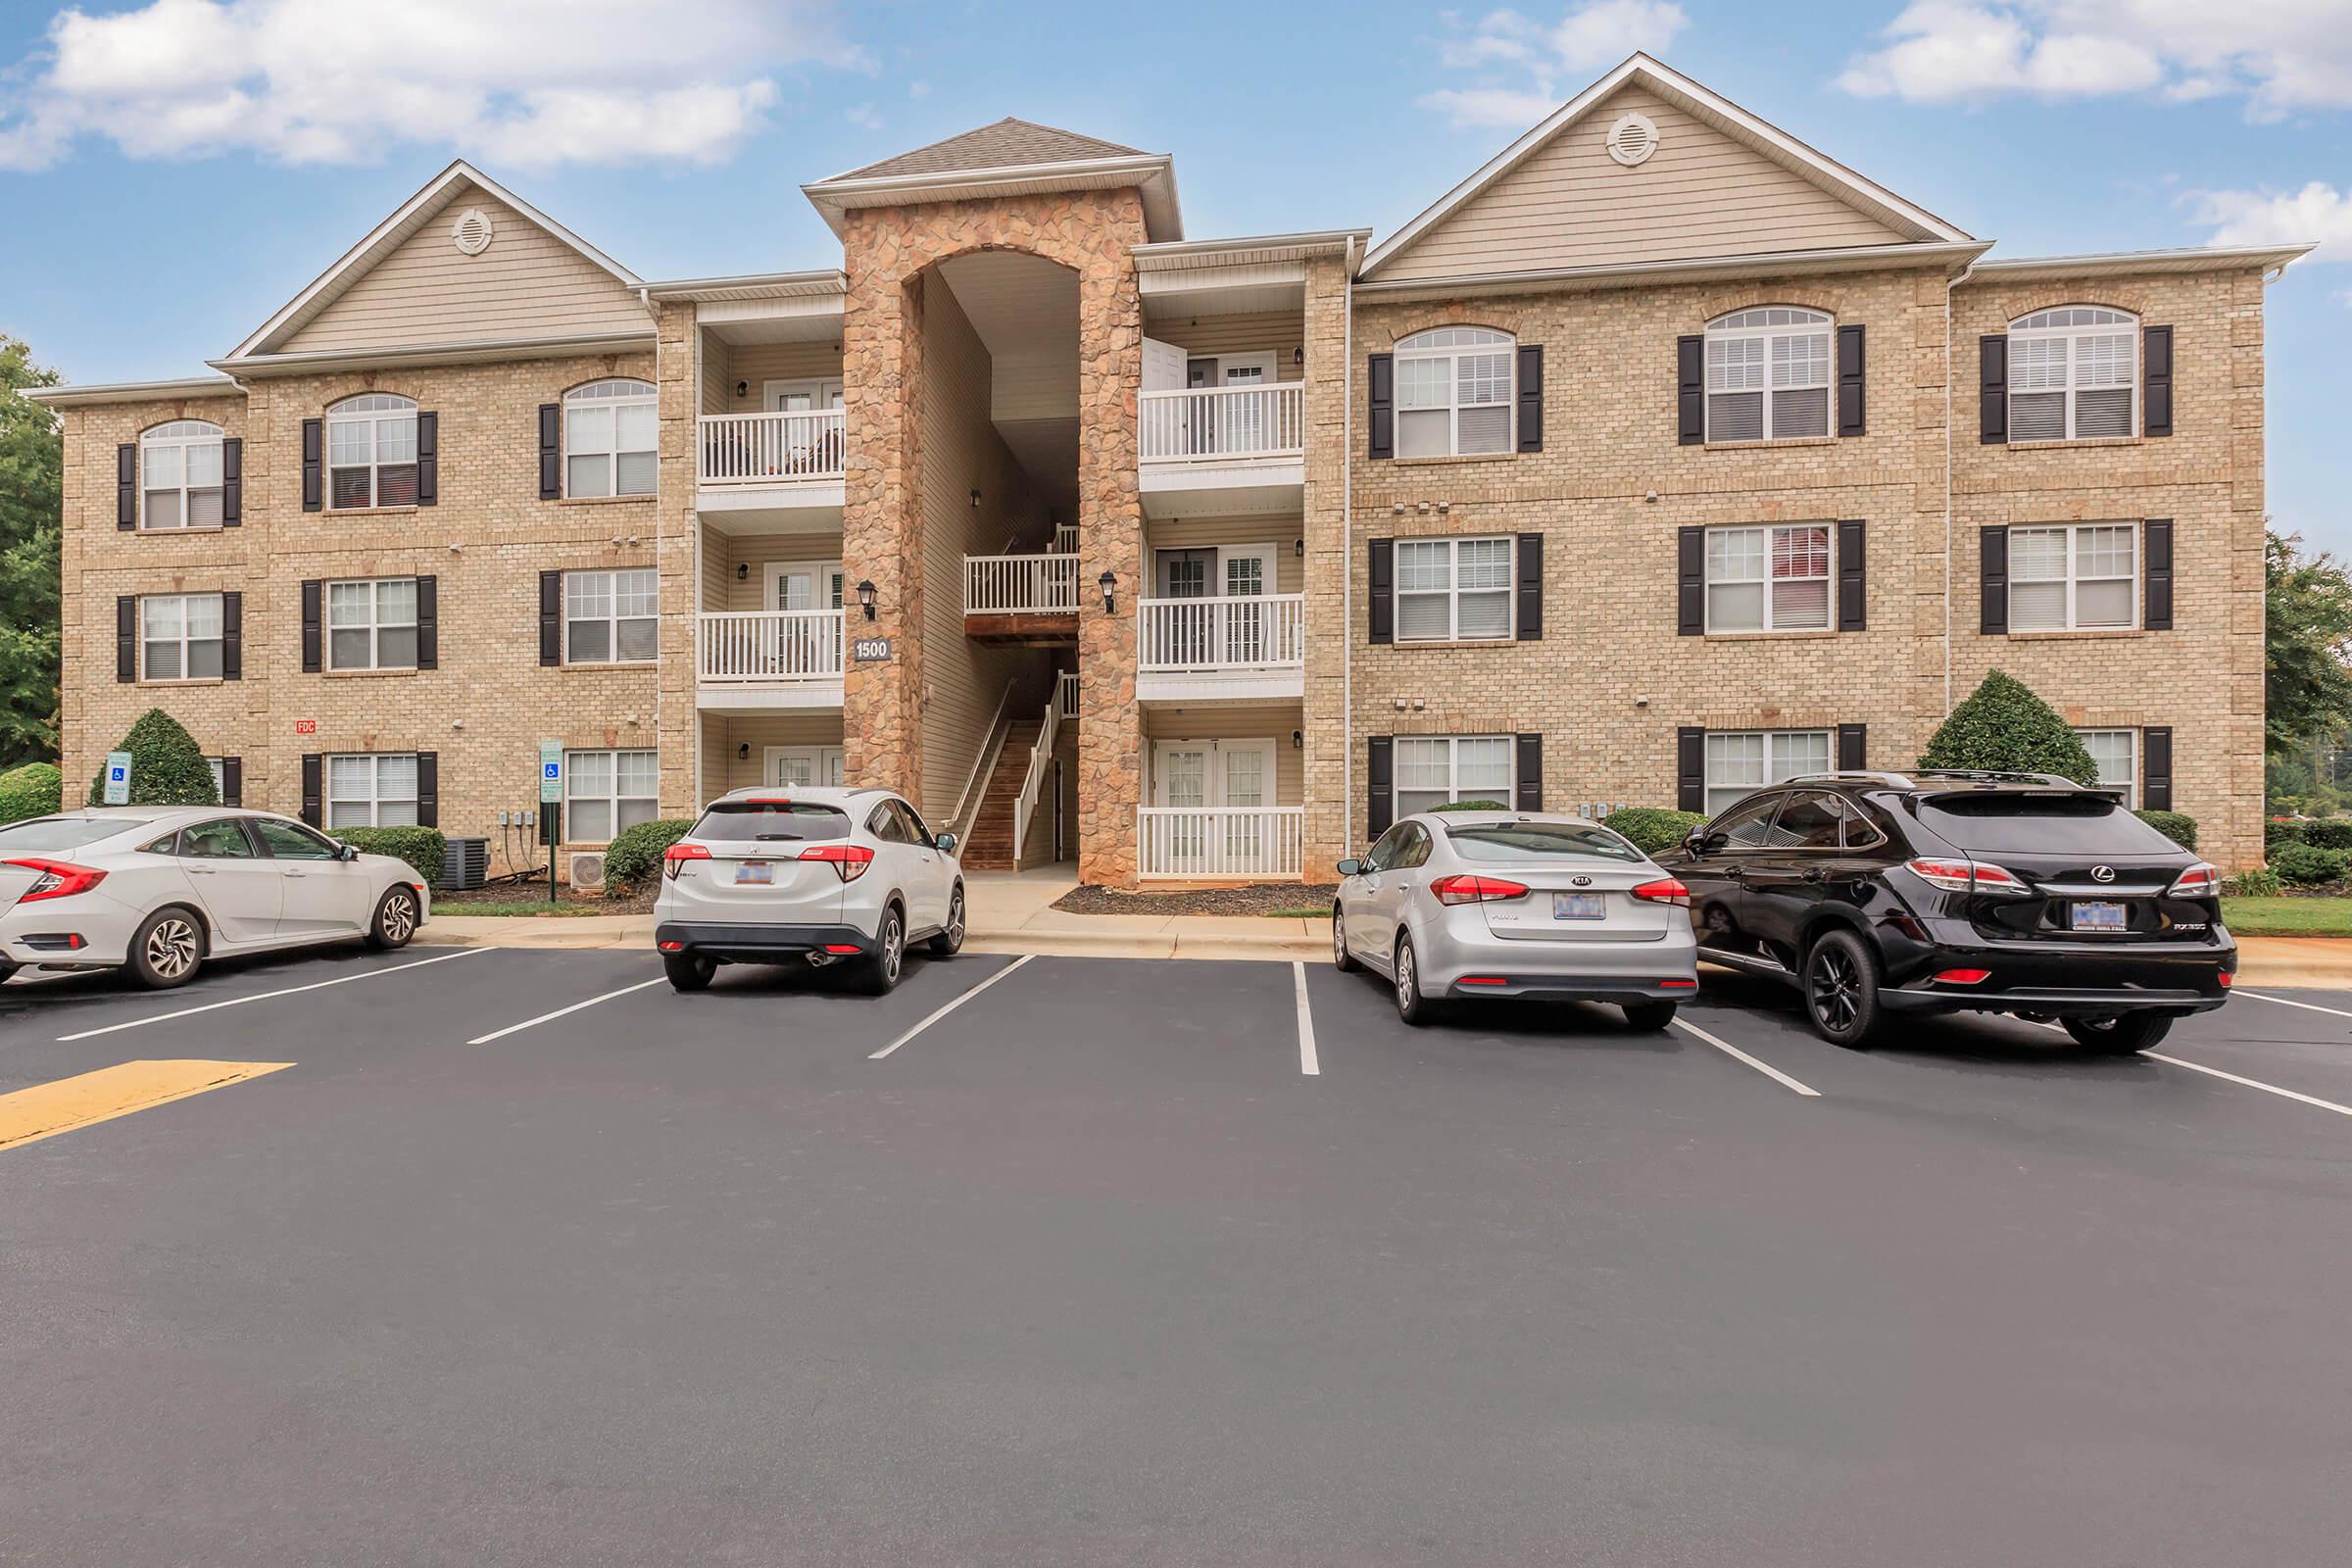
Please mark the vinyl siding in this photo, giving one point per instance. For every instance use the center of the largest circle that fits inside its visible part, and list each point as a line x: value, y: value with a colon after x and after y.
x: 723, y: 770
x: 1205, y: 336
x: 1211, y: 721
x: 723, y: 590
x: 1194, y: 533
x: 755, y: 363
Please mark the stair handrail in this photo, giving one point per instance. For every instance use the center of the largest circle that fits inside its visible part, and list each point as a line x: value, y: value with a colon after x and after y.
x: 1041, y: 760
x: 991, y: 742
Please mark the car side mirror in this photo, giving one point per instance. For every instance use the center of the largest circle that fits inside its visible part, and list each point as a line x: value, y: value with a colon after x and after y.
x: 946, y: 842
x: 347, y: 852
x: 1695, y: 841
x: 1351, y: 867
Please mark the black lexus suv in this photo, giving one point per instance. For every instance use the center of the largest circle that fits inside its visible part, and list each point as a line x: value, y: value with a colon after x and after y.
x: 1957, y: 892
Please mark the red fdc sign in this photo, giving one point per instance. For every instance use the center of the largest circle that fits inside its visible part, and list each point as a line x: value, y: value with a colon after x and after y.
x: 305, y: 726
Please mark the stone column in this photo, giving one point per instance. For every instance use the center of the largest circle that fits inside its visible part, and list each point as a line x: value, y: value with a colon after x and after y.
x: 882, y: 520
x: 1328, y: 771
x: 1110, y: 537
x: 679, y: 401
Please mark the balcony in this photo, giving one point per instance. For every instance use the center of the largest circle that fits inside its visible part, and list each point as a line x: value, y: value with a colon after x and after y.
x: 759, y: 661
x: 1199, y: 650
x: 1222, y: 450
x: 1026, y: 600
x: 1263, y: 843
x: 750, y: 467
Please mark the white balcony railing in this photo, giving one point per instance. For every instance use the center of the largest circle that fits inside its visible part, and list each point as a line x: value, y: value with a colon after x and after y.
x: 771, y: 448
x: 1259, y: 841
x: 1067, y: 689
x: 1014, y: 585
x: 1223, y: 423
x: 774, y: 646
x: 1257, y: 631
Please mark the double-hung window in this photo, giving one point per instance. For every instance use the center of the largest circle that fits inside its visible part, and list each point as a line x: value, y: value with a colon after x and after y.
x: 372, y: 625
x: 2079, y: 577
x: 371, y: 452
x: 371, y: 790
x: 2115, y: 753
x: 180, y: 475
x: 1453, y: 392
x: 606, y: 791
x: 609, y: 617
x: 1742, y: 762
x: 179, y: 636
x: 1768, y: 374
x: 1432, y: 770
x: 2074, y: 374
x: 1769, y: 579
x: 1450, y: 589
x: 609, y: 445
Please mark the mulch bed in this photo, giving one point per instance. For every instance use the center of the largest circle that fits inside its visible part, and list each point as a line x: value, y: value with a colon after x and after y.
x: 453, y: 901
x: 1262, y: 898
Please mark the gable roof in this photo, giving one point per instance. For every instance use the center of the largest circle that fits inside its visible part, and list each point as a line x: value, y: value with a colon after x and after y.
x: 1913, y: 223
x: 1010, y: 143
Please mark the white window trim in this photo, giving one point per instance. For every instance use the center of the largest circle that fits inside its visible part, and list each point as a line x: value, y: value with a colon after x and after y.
x: 1398, y: 790
x: 376, y: 624
x: 2135, y: 579
x: 183, y: 641
x: 825, y: 763
x: 1825, y: 327
x: 2129, y: 323
x: 206, y: 434
x: 576, y: 398
x: 2131, y: 743
x: 773, y: 572
x: 375, y: 464
x: 1212, y: 778
x: 1507, y: 347
x: 826, y: 392
x: 375, y: 798
x: 1828, y: 580
x: 610, y: 620
x: 1453, y: 589
x: 610, y: 800
x: 1709, y: 783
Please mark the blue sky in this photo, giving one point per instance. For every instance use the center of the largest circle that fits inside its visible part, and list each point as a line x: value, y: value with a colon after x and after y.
x: 172, y: 172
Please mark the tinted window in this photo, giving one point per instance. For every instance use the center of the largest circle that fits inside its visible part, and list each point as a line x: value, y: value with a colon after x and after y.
x: 224, y: 840
x: 1383, y: 854
x: 1504, y: 842
x: 771, y: 822
x: 1743, y: 826
x: 63, y: 832
x: 2058, y: 824
x: 914, y: 824
x: 1416, y: 850
x: 1807, y: 822
x: 286, y: 842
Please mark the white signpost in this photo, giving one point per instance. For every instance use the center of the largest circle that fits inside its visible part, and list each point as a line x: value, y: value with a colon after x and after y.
x: 118, y: 778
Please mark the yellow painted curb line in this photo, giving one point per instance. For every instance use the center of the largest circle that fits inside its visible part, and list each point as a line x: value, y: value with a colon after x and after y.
x: 44, y: 1111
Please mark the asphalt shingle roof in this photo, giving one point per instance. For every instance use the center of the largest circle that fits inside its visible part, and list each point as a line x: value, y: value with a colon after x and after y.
x: 1008, y: 143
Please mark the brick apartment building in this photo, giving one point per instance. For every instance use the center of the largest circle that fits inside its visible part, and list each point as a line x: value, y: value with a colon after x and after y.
x: 1661, y: 458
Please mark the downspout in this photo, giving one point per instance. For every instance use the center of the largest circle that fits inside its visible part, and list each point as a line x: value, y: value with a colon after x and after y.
x: 1950, y: 285
x: 1348, y: 551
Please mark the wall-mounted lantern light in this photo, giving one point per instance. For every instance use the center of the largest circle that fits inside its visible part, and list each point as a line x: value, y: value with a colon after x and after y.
x: 743, y: 570
x: 1111, y: 583
x: 743, y: 389
x: 1297, y: 740
x: 1299, y: 547
x: 1298, y: 355
x: 975, y: 500
x: 743, y: 750
x: 866, y: 597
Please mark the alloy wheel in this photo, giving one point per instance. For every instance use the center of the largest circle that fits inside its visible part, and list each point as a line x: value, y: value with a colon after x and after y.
x: 893, y: 948
x: 1409, y: 985
x: 956, y: 920
x: 400, y: 917
x: 1833, y: 989
x: 1339, y: 939
x: 171, y: 947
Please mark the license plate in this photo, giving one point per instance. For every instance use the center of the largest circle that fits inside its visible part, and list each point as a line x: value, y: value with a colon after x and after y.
x: 753, y: 871
x: 2099, y: 917
x: 1577, y: 906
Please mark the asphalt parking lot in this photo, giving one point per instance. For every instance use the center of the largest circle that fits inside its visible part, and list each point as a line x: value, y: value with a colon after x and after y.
x: 525, y: 1259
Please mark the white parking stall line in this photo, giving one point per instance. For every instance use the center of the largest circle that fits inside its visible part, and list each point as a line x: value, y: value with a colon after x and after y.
x: 563, y: 1013
x: 951, y: 1007
x: 1734, y: 1052
x: 1309, y: 1064
x: 2251, y: 1083
x: 2289, y: 1001
x: 264, y: 996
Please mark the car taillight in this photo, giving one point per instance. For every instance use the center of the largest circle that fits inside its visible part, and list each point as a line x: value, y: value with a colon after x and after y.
x: 849, y: 861
x: 1666, y: 890
x: 1466, y: 888
x: 58, y: 879
x: 1962, y: 876
x: 676, y: 856
x: 1962, y: 977
x: 2199, y: 881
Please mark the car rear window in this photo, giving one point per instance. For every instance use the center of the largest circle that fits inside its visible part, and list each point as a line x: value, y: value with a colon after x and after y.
x: 63, y: 832
x: 771, y: 822
x: 1502, y: 842
x: 2046, y: 824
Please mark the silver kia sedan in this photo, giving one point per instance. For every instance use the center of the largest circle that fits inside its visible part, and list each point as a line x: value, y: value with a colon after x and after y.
x: 1520, y: 905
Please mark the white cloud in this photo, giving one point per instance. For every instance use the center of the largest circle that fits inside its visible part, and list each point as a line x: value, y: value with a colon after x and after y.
x: 1503, y: 106
x: 527, y: 83
x: 1596, y: 36
x: 1516, y: 62
x: 2280, y: 55
x: 2318, y: 212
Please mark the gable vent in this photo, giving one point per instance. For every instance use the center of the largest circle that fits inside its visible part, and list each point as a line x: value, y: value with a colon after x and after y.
x: 471, y: 236
x: 1633, y: 139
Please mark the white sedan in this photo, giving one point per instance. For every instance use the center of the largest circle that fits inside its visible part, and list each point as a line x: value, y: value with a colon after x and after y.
x: 159, y: 889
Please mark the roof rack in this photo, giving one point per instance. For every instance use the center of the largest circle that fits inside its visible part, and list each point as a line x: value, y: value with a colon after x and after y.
x: 1872, y: 776
x: 1991, y: 776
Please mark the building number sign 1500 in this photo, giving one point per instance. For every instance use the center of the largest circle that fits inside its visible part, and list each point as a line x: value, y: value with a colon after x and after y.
x: 869, y: 649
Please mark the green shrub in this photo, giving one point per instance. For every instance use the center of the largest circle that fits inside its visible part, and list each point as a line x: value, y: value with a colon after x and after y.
x: 34, y: 789
x: 2178, y: 826
x: 2330, y: 832
x: 2307, y: 865
x: 635, y: 853
x: 167, y: 767
x: 2283, y: 830
x: 424, y: 848
x: 1470, y: 805
x: 2004, y: 728
x: 2257, y: 883
x: 1653, y: 829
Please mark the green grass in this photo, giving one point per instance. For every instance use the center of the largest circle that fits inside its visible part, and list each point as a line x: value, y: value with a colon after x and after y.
x: 2288, y: 918
x: 1316, y: 912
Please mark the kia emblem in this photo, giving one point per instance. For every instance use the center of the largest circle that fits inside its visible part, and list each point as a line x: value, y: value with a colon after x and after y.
x: 2102, y: 873
x: 1580, y: 881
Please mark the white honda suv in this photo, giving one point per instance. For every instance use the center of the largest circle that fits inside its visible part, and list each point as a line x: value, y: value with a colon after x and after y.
x: 813, y: 874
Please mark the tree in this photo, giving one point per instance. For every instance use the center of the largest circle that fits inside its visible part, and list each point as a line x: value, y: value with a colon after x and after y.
x: 32, y: 498
x: 2004, y: 728
x: 167, y: 766
x: 2307, y: 639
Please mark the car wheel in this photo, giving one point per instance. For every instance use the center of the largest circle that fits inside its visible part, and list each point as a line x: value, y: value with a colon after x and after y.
x: 880, y: 975
x: 167, y: 949
x: 1411, y: 1005
x: 1649, y: 1017
x: 1842, y: 990
x: 1341, y: 959
x: 688, y: 971
x: 950, y: 940
x: 2122, y: 1033
x: 395, y: 919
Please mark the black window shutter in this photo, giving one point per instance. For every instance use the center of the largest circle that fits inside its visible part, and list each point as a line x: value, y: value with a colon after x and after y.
x: 233, y: 781
x: 1690, y: 581
x: 1384, y: 590
x: 2156, y: 536
x: 1690, y: 769
x: 233, y: 636
x: 2156, y: 767
x: 1992, y: 591
x: 1380, y: 777
x: 429, y: 622
x: 314, y: 788
x: 1380, y: 380
x: 127, y: 637
x: 550, y: 451
x: 1531, y: 396
x: 428, y: 789
x: 313, y: 647
x: 1531, y: 587
x: 1849, y: 382
x: 1992, y: 388
x: 233, y: 482
x: 314, y: 457
x: 1530, y: 773
x: 1853, y: 744
x: 428, y: 460
x: 550, y: 618
x: 1690, y: 389
x: 1853, y: 587
x: 2156, y: 381
x: 126, y: 487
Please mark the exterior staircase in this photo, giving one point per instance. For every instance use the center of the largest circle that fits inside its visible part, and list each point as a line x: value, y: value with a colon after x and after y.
x: 990, y: 847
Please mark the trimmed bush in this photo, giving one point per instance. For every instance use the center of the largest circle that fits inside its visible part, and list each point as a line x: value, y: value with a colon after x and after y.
x: 635, y: 853
x: 1653, y: 829
x: 2283, y: 830
x: 2255, y: 884
x: 2330, y: 832
x: 2307, y: 865
x: 1470, y: 805
x: 167, y: 767
x: 2004, y: 728
x: 424, y: 848
x: 2178, y: 826
x: 34, y: 789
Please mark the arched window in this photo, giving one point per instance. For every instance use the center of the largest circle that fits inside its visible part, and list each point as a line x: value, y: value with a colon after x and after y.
x: 371, y: 452
x: 1453, y: 392
x: 2074, y: 374
x: 179, y: 475
x: 609, y: 429
x: 1768, y: 374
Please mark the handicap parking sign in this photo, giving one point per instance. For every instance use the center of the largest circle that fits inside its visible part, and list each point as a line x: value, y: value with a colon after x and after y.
x: 551, y: 771
x: 118, y: 778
